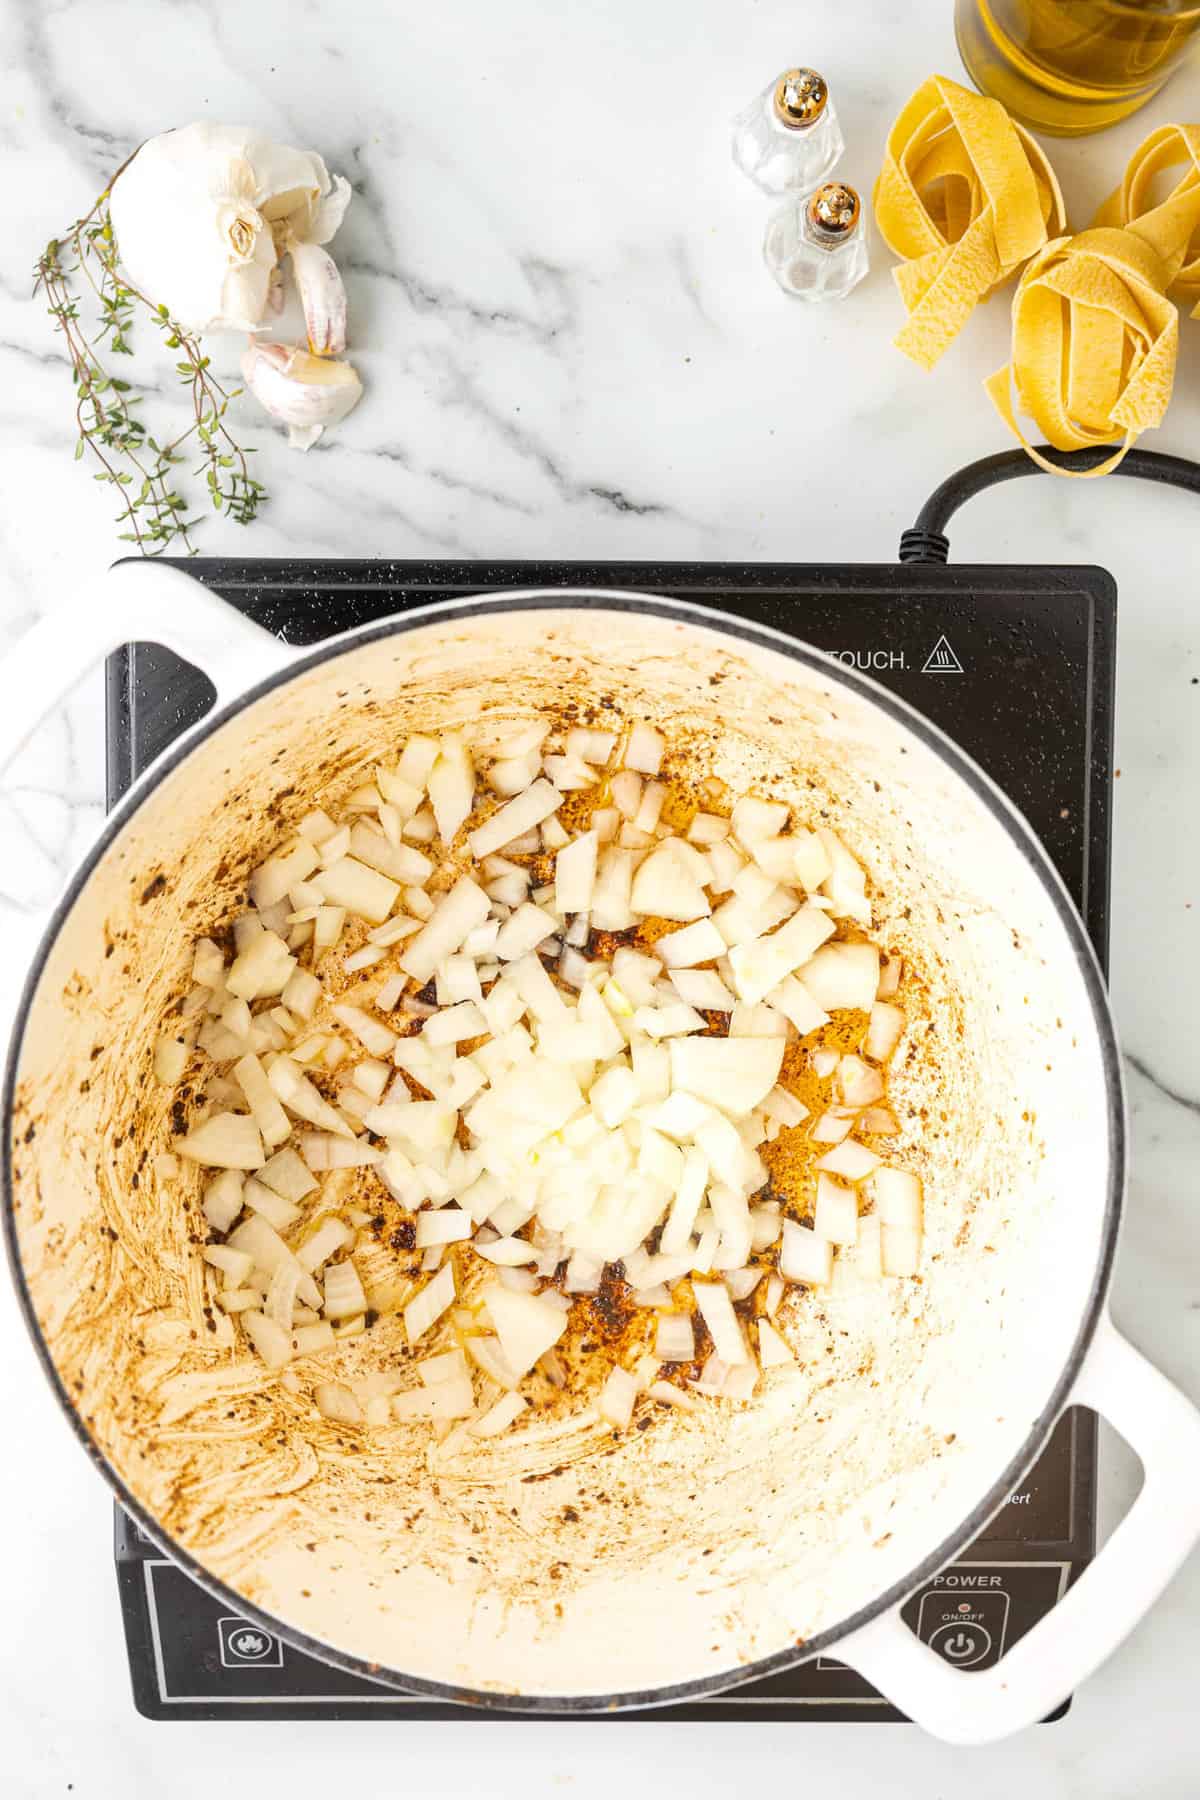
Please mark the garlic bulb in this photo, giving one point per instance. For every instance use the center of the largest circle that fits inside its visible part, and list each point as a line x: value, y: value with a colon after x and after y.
x: 203, y: 215
x: 304, y: 392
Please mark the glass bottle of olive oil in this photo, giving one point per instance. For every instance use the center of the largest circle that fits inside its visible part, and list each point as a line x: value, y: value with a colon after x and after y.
x: 1072, y: 66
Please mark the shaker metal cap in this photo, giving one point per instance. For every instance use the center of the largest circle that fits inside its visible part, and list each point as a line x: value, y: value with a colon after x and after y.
x: 834, y: 209
x: 800, y: 98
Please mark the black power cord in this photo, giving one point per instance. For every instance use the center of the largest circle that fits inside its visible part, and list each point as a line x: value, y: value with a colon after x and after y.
x: 925, y: 541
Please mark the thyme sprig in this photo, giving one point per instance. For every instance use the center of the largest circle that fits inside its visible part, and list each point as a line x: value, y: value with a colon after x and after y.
x: 79, y: 271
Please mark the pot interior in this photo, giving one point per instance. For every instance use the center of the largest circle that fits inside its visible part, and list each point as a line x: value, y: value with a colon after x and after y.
x: 562, y: 1559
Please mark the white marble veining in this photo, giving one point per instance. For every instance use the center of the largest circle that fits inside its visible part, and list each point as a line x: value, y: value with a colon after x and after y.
x: 571, y: 348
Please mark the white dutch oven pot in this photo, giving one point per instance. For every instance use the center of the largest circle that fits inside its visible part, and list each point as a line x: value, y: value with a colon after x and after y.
x: 560, y: 1569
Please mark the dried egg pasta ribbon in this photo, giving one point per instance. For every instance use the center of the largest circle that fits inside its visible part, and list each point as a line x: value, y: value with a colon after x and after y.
x: 1094, y: 341
x: 965, y: 195
x: 1172, y: 228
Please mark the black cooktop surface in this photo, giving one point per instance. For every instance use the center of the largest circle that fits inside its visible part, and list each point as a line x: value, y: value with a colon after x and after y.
x: 1017, y: 665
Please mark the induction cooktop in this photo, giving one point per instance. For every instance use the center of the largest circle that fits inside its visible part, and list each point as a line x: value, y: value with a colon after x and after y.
x: 1017, y: 665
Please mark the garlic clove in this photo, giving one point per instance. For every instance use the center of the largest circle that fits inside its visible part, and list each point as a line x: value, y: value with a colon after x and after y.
x: 322, y: 296
x: 302, y: 391
x: 329, y: 212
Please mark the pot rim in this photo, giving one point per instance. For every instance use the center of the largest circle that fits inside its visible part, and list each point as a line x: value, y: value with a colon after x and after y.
x: 985, y: 790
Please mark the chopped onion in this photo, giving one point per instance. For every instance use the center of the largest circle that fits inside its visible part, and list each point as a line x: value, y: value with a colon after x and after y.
x: 499, y: 1417
x: 515, y: 818
x: 525, y: 1326
x: 272, y: 1207
x: 733, y: 1075
x: 329, y: 1237
x: 337, y: 1403
x: 268, y: 1114
x: 860, y: 1084
x: 805, y: 1256
x: 675, y: 1338
x: 352, y: 885
x: 235, y: 1265
x: 226, y: 1141
x: 344, y: 1296
x: 835, y: 1216
x: 456, y: 914
x: 615, y: 1401
x: 851, y: 1160
x: 223, y: 1200
x: 897, y: 1197
x: 843, y: 975
x: 427, y: 1307
x: 644, y: 750
x: 716, y: 1309
x: 273, y: 1344
x: 884, y: 1031
x: 667, y: 886
x: 170, y: 1060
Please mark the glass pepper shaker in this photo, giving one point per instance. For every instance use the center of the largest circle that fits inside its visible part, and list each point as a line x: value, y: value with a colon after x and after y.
x: 789, y: 136
x: 816, y: 245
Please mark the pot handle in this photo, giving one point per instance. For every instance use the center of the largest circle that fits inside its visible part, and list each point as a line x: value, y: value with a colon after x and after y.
x: 134, y: 600
x: 1108, y: 1600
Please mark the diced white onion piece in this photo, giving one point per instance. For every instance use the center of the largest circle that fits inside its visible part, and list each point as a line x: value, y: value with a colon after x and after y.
x: 312, y: 1339
x: 804, y: 1256
x: 281, y: 1295
x: 772, y: 1349
x: 451, y: 785
x: 575, y: 874
x: 666, y: 886
x: 208, y: 965
x: 453, y: 1398
x: 272, y: 1207
x: 240, y: 1300
x: 897, y: 1197
x: 499, y: 1417
x: 582, y: 1274
x: 417, y: 759
x: 891, y: 969
x: 336, y: 1403
x: 526, y: 1327
x: 510, y: 775
x: 302, y: 993
x: 360, y: 890
x: 900, y: 1249
x: 508, y: 1252
x: 835, y: 1216
x: 527, y: 927
x: 427, y: 1307
x: 335, y: 847
x: 302, y: 1099
x: 644, y: 750
x: 742, y: 1282
x: 879, y: 1121
x: 649, y: 812
x: 780, y: 1104
x: 675, y: 1338
x: 811, y: 863
x: 824, y: 1062
x: 591, y: 746
x: 446, y: 1226
x: 486, y: 1352
x: 344, y: 1294
x: 420, y: 829
x: 702, y: 988
x: 774, y: 1294
x: 403, y: 796
x: 733, y: 1075
x: 521, y: 1281
x: 327, y: 926
x: 673, y: 1019
x: 170, y: 1060
x: 272, y: 880
x: 843, y: 975
x: 716, y: 1309
x: 261, y: 1241
x: 226, y: 1141
x: 235, y: 1265
x: 330, y: 1236
x: 707, y: 828
x: 374, y: 1037
x: 455, y: 1023
x: 223, y: 1200
x: 568, y: 773
x: 760, y: 965
x: 753, y: 819
x: 670, y: 1395
x: 364, y: 958
x: 884, y: 1031
x: 832, y: 1126
x: 614, y: 1096
x: 272, y: 1343
x: 615, y: 1401
x: 765, y: 1228
x: 860, y: 1084
x: 793, y: 1000
x: 697, y: 943
x: 268, y: 1114
x: 264, y: 967
x: 456, y: 914
x: 851, y: 1160
x: 515, y: 818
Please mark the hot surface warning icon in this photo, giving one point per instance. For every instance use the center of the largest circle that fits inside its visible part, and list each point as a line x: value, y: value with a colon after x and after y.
x: 942, y: 660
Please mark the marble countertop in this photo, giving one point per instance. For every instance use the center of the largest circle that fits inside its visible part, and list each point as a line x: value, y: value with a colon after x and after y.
x: 570, y: 348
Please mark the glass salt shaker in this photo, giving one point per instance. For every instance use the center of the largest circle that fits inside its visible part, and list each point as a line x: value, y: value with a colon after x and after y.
x: 816, y: 245
x: 789, y: 136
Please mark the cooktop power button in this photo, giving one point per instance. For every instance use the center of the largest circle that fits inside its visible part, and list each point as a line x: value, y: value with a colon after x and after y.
x: 963, y: 1645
